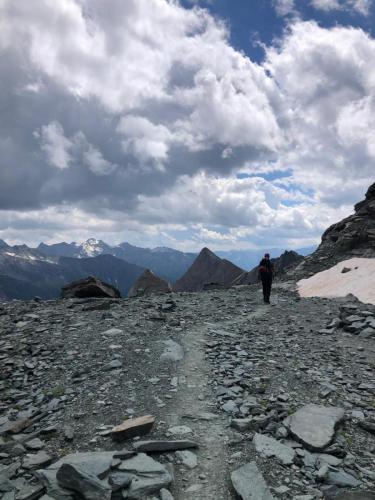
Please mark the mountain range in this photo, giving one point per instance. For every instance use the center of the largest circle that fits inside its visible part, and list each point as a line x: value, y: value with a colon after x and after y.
x: 26, y: 272
x: 167, y: 263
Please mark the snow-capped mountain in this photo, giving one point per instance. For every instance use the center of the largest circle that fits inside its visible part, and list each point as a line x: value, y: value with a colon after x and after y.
x: 89, y: 248
x: 165, y: 262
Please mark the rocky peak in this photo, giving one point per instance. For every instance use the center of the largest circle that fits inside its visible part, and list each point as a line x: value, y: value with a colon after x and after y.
x: 354, y: 236
x: 368, y: 204
x: 207, y: 269
x: 3, y: 244
x: 148, y: 284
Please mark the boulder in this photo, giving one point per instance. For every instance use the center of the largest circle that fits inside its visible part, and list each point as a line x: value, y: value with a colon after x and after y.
x: 77, y: 479
x: 315, y: 425
x: 89, y: 287
x: 97, y: 464
x: 149, y: 284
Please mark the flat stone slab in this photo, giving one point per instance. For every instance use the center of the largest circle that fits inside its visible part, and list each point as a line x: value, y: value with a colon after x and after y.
x: 159, y: 446
x: 91, y: 473
x: 34, y: 461
x: 133, y: 427
x: 97, y: 464
x: 315, y: 425
x: 250, y: 484
x: 356, y: 495
x: 270, y: 447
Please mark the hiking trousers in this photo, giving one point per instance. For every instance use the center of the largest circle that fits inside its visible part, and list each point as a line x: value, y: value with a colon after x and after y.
x: 267, y: 285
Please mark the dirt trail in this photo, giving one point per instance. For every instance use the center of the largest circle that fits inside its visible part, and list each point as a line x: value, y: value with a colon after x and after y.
x: 210, y: 480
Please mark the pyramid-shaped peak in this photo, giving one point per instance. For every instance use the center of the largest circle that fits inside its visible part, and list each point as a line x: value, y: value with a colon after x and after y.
x: 207, y: 253
x: 148, y: 284
x: 207, y: 270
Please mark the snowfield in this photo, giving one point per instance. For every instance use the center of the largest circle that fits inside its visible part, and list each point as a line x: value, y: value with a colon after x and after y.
x: 360, y: 281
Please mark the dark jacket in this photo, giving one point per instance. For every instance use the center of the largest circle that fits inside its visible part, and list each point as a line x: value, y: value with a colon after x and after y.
x: 266, y: 270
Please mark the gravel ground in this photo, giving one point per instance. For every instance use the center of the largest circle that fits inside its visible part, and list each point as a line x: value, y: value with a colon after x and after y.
x: 87, y: 370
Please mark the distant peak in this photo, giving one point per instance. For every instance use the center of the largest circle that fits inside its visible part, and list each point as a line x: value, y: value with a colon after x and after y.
x: 206, y: 251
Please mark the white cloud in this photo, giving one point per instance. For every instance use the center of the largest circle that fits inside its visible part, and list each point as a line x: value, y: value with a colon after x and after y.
x: 359, y: 6
x: 284, y: 7
x: 169, y: 111
x: 325, y: 76
x: 55, y: 145
x: 144, y: 139
x: 96, y: 163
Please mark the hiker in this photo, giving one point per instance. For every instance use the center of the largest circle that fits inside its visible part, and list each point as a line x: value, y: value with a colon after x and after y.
x: 266, y: 273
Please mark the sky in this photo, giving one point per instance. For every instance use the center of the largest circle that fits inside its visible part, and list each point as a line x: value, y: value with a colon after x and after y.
x: 231, y: 124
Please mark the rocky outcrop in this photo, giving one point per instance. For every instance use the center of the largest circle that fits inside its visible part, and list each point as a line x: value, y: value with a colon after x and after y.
x: 354, y: 236
x: 282, y: 265
x: 89, y: 287
x: 148, y: 284
x: 207, y: 271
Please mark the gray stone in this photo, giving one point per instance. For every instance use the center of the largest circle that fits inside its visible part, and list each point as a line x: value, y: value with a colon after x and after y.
x: 367, y: 333
x: 230, y: 407
x: 68, y: 433
x: 179, y: 430
x: 241, y: 424
x: 34, y: 444
x: 249, y: 483
x: 72, y: 477
x: 270, y: 447
x: 34, y: 461
x: 165, y: 494
x: 356, y: 495
x: 115, y: 364
x: 149, y: 476
x: 5, y: 484
x: 158, y: 446
x: 172, y: 353
x: 96, y: 464
x: 119, y: 480
x: 187, y: 458
x: 315, y: 425
x: 342, y: 479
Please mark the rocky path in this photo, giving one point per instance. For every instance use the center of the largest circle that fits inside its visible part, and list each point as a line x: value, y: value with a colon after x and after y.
x: 217, y: 370
x: 196, y: 406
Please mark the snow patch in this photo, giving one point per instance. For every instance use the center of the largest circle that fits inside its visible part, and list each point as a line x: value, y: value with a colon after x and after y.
x: 359, y: 281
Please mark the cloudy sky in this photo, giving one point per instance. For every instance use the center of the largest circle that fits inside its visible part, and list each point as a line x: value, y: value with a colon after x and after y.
x: 231, y: 124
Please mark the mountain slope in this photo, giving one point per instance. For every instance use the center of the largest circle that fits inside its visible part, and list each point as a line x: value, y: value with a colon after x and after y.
x: 354, y: 236
x: 207, y: 269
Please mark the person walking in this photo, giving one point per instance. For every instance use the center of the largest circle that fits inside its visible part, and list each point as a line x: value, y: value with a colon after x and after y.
x: 266, y: 273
